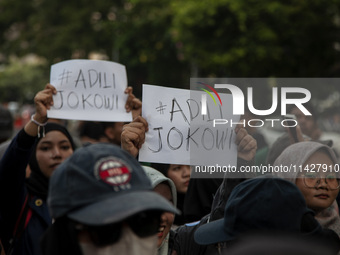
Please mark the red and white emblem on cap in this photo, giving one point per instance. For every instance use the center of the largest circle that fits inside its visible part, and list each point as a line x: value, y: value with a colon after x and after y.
x: 113, y: 171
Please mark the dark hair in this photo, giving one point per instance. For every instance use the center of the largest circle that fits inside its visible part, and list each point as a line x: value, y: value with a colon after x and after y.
x: 106, y: 124
x: 91, y: 129
x: 163, y: 168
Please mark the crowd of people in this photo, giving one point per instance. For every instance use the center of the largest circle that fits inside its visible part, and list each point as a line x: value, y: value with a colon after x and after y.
x: 88, y: 194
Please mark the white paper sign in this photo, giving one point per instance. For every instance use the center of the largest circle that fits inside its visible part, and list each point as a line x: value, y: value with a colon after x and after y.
x: 89, y: 90
x: 180, y: 134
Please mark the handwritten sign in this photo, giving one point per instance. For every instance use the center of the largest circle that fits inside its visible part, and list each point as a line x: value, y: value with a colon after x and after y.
x: 89, y: 90
x: 180, y: 134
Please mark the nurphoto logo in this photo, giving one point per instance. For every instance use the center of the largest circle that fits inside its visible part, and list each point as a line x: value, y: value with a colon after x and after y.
x: 238, y: 104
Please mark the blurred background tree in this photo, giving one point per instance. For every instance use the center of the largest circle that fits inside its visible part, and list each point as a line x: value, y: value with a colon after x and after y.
x: 249, y: 38
x: 166, y: 42
x: 22, y: 78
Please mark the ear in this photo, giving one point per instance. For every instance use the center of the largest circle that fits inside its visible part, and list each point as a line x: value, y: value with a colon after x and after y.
x: 109, y: 133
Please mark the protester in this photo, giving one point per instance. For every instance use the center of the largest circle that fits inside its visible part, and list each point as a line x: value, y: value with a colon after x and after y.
x: 184, y: 235
x: 263, y: 206
x: 308, y: 123
x: 310, y: 127
x: 89, y: 132
x: 307, y: 129
x: 133, y: 137
x: 183, y: 239
x: 180, y: 175
x: 199, y: 198
x: 23, y: 210
x: 201, y: 191
x: 166, y: 188
x: 286, y: 139
x: 103, y: 203
x: 112, y: 130
x: 313, y: 169
x: 278, y: 147
x: 6, y: 129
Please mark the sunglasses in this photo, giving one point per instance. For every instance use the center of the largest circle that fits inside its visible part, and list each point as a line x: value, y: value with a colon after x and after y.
x: 143, y: 224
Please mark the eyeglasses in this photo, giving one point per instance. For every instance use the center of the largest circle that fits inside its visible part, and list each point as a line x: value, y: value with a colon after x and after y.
x: 143, y: 224
x: 312, y: 180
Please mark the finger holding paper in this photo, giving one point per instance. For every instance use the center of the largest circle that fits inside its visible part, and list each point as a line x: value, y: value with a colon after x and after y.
x: 133, y: 104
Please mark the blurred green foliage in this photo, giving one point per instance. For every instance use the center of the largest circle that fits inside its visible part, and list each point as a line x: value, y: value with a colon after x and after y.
x: 19, y: 81
x: 165, y: 42
x: 250, y: 38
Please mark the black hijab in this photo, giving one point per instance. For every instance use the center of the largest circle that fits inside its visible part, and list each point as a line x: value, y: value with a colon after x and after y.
x: 37, y: 183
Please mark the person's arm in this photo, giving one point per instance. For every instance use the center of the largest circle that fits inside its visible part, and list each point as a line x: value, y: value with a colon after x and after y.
x: 15, y: 160
x: 43, y: 102
x: 133, y: 135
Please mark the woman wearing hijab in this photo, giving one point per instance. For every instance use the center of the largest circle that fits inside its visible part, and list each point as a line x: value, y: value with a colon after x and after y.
x: 313, y: 170
x: 166, y: 188
x: 180, y: 175
x: 43, y: 146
